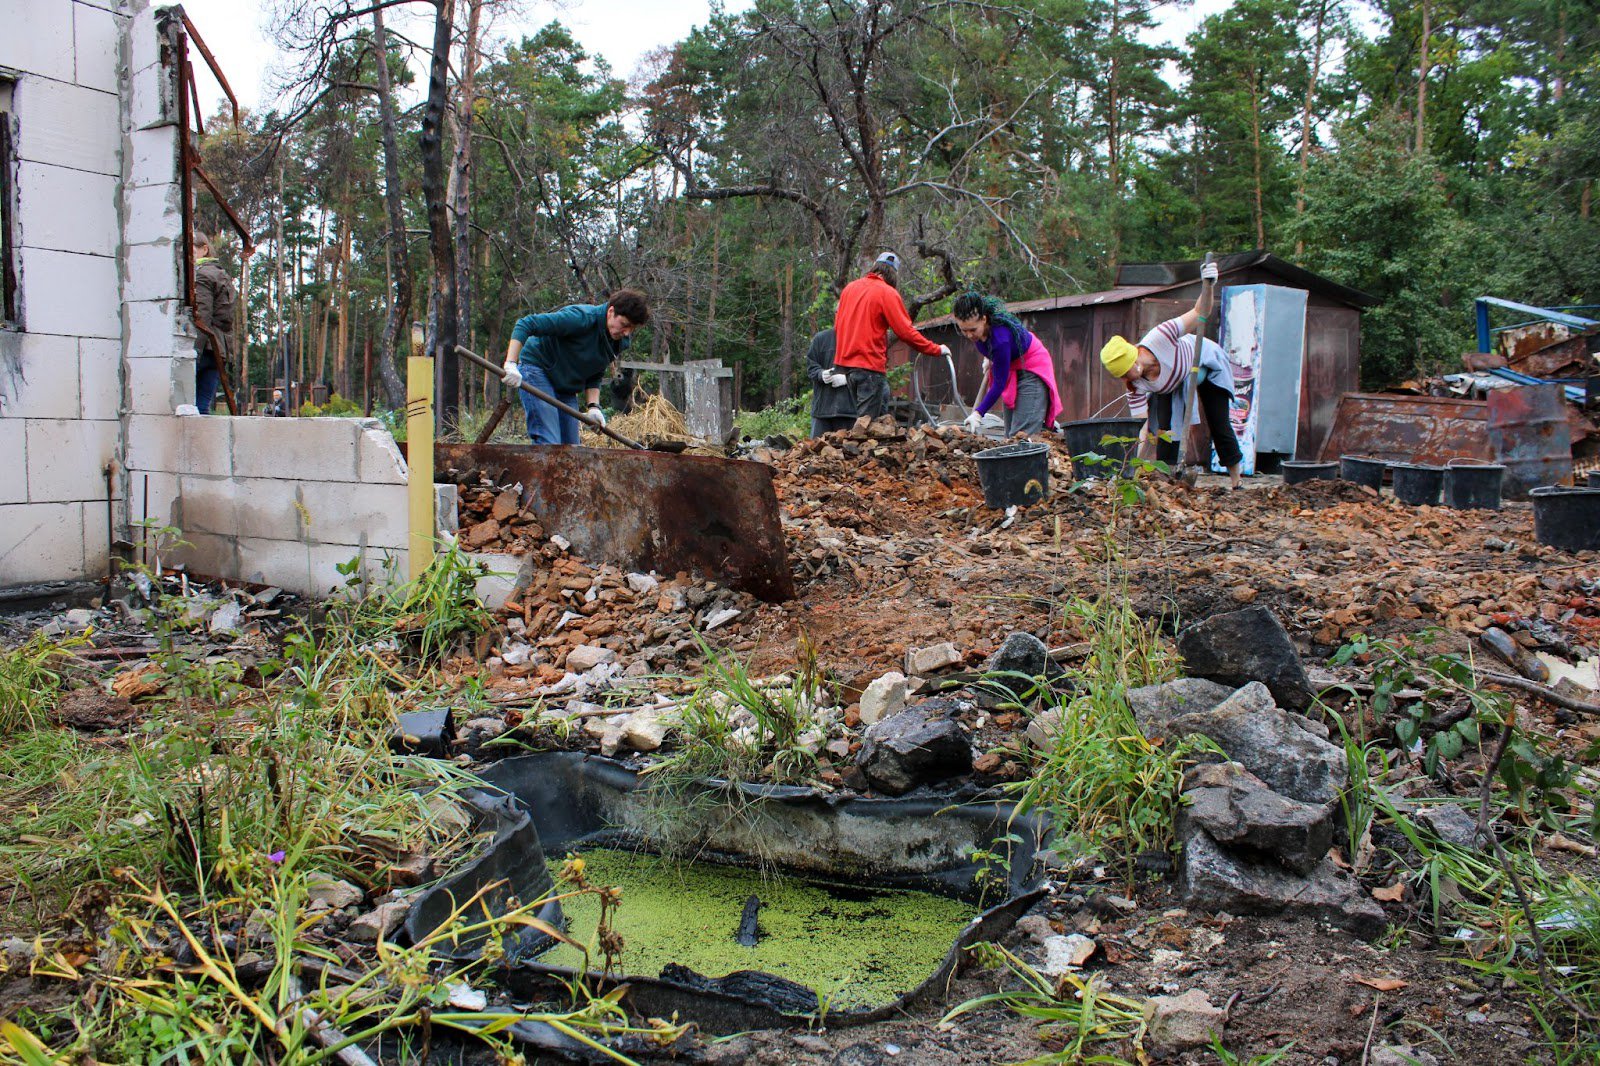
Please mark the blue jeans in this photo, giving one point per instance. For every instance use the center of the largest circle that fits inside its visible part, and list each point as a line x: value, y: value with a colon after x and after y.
x: 206, y: 378
x: 546, y: 425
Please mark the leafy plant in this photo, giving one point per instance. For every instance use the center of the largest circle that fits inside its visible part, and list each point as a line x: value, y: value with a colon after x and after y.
x: 791, y: 418
x: 30, y: 679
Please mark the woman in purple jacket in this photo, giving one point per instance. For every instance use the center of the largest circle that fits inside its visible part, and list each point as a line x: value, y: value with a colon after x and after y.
x: 1022, y: 375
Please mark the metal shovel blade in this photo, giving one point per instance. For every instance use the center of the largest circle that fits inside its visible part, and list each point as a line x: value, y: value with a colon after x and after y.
x: 646, y: 510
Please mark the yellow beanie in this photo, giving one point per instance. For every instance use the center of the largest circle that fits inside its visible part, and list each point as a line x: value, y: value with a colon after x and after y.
x: 1119, y: 355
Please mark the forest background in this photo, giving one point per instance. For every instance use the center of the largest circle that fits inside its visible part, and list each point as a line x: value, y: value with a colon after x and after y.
x: 1423, y: 151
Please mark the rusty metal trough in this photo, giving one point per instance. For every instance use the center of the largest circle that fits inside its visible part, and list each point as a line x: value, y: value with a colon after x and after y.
x: 648, y: 510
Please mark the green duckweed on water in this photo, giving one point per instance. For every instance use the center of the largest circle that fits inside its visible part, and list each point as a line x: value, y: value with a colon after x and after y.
x: 856, y: 948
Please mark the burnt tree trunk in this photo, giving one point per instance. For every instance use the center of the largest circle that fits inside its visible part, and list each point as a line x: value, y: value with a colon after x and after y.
x: 394, y: 325
x: 442, y: 337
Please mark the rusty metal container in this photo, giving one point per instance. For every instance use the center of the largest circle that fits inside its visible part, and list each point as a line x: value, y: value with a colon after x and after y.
x: 648, y: 510
x: 1529, y: 436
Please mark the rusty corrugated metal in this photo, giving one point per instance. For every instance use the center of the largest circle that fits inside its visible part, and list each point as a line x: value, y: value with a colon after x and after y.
x: 648, y: 510
x: 1408, y: 429
x: 1529, y: 435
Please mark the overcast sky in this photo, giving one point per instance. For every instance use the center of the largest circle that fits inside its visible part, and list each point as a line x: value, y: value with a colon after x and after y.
x: 622, y: 31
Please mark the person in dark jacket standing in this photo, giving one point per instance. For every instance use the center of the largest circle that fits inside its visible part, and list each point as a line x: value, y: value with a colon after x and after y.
x: 566, y: 352
x: 214, y: 298
x: 832, y: 406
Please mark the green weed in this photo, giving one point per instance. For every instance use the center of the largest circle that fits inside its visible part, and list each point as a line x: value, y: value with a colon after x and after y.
x: 30, y: 679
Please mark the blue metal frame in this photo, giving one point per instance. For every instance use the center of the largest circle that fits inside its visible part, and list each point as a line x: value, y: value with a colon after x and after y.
x: 1540, y: 314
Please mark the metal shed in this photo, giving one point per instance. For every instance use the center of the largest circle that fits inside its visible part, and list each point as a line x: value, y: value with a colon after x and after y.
x: 1074, y: 328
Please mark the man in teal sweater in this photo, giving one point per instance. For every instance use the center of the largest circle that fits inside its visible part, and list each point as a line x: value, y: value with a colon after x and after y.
x: 565, y: 352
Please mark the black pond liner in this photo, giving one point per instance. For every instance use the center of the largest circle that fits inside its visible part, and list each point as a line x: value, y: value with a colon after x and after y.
x: 1088, y: 437
x: 1298, y: 471
x: 1566, y: 517
x: 1014, y: 475
x: 561, y: 802
x: 1360, y: 470
x: 1417, y: 484
x: 1473, y: 487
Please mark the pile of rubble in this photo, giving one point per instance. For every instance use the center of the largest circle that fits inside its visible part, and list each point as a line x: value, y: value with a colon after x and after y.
x: 491, y: 517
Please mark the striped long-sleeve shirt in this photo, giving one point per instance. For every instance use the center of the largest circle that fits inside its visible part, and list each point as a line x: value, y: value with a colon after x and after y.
x: 1174, y: 351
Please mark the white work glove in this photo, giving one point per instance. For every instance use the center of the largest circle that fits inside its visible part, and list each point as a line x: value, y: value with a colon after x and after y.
x: 1208, y: 271
x: 986, y: 366
x: 597, y: 414
x: 512, y: 376
x: 944, y: 350
x: 974, y: 423
x: 836, y: 379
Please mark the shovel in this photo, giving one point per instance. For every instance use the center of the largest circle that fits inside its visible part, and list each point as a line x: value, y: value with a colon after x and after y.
x: 1192, y: 397
x: 539, y: 394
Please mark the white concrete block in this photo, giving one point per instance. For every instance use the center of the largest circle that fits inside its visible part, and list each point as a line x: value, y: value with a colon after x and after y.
x: 153, y: 159
x: 152, y: 97
x: 38, y: 38
x: 378, y: 459
x: 143, y: 37
x: 207, y: 445
x: 377, y: 567
x: 41, y: 542
x: 99, y: 378
x: 45, y: 381
x: 153, y: 444
x: 285, y: 563
x: 153, y: 213
x: 208, y: 555
x: 14, y: 470
x: 269, y: 509
x: 153, y: 496
x: 67, y: 210
x: 67, y: 459
x: 151, y: 272
x: 154, y: 329
x: 305, y: 449
x: 348, y: 514
x: 208, y: 505
x: 67, y: 125
x: 63, y: 292
x: 96, y: 33
x: 159, y: 386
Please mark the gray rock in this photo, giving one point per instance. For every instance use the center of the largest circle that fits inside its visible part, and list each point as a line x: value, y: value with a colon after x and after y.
x: 479, y: 731
x: 423, y: 732
x: 1020, y: 653
x: 1035, y: 927
x: 1401, y: 1055
x: 1217, y: 880
x: 1243, y: 646
x: 1176, y: 1023
x: 921, y: 661
x: 332, y: 892
x: 1066, y: 954
x: 586, y: 657
x: 378, y: 923
x: 1156, y: 705
x: 1272, y: 744
x: 920, y: 744
x: 1450, y: 823
x: 883, y: 698
x: 1235, y: 807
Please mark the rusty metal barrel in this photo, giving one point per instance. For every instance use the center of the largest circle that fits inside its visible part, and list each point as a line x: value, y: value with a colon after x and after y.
x: 1530, y: 437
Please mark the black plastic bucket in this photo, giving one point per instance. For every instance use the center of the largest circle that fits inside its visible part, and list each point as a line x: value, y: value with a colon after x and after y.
x: 1296, y: 471
x: 1014, y: 474
x: 1567, y: 518
x: 1270, y: 462
x: 1417, y: 484
x: 1362, y: 471
x: 1594, y: 479
x: 1469, y: 488
x: 1089, y: 436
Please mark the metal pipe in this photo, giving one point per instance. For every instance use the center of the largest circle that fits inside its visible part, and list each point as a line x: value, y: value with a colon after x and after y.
x: 211, y: 61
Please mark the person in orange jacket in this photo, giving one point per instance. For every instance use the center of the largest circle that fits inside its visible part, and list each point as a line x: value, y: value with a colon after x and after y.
x: 868, y: 307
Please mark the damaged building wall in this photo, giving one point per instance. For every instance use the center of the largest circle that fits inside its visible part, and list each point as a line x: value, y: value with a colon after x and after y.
x: 60, y: 386
x: 101, y: 365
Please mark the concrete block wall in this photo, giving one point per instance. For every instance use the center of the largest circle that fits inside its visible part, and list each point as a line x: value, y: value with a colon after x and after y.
x: 103, y: 366
x: 60, y: 366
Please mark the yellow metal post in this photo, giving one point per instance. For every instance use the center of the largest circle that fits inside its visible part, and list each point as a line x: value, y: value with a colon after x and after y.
x: 419, y: 456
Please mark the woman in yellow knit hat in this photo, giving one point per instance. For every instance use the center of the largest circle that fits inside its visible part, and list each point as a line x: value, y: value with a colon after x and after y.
x: 1164, y: 365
